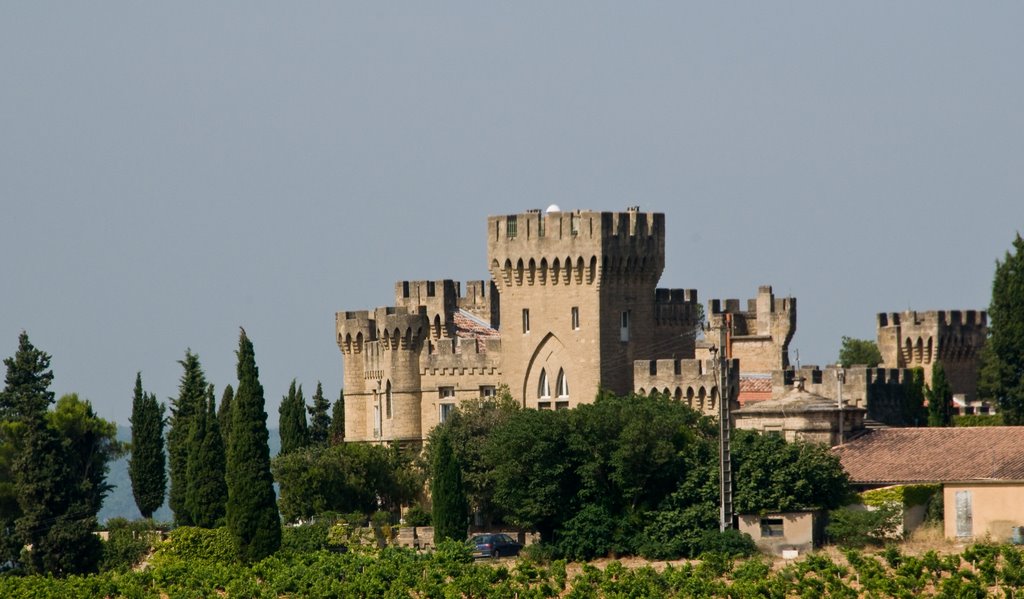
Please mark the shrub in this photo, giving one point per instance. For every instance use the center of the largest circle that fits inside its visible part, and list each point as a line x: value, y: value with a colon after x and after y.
x: 187, y: 543
x: 857, y: 528
x: 306, y: 538
x: 128, y: 544
x: 730, y: 542
x: 417, y: 516
x: 541, y: 553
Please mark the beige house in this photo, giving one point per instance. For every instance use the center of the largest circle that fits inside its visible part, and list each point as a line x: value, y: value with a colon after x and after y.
x: 981, y: 470
x: 800, y: 415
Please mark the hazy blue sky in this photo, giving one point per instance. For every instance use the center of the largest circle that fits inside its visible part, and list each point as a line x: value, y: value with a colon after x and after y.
x: 169, y: 172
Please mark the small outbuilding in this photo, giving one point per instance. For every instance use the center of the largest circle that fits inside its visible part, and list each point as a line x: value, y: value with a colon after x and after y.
x: 786, y: 533
x: 800, y: 415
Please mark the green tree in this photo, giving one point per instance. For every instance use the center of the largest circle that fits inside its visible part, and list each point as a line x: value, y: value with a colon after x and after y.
x: 252, y: 515
x: 450, y: 506
x: 147, y: 464
x: 89, y: 444
x: 224, y: 415
x: 914, y: 412
x: 41, y: 475
x: 337, y: 434
x: 859, y: 351
x: 190, y: 402
x: 319, y: 418
x: 207, y: 490
x: 1002, y: 371
x: 469, y: 427
x: 292, y: 420
x: 940, y: 398
x: 10, y: 546
x: 771, y: 475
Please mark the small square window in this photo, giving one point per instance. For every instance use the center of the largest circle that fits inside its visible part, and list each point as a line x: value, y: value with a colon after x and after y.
x: 446, y: 391
x: 575, y: 318
x: 487, y: 391
x: 561, y: 405
x: 772, y: 527
x: 543, y: 405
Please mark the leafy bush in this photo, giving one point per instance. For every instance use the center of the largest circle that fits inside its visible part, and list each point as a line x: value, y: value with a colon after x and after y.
x: 587, y: 535
x: 541, y: 553
x: 731, y: 542
x: 306, y: 538
x: 128, y: 544
x: 417, y: 516
x: 978, y: 420
x: 857, y: 528
x: 188, y: 543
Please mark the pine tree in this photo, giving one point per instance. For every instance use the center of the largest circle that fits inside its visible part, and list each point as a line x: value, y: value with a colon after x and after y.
x: 292, y: 420
x: 449, y: 497
x: 252, y: 507
x: 319, y: 419
x: 147, y: 464
x: 224, y: 415
x: 337, y: 434
x: 1002, y: 371
x: 59, y: 467
x: 940, y: 398
x: 190, y: 401
x: 207, y: 491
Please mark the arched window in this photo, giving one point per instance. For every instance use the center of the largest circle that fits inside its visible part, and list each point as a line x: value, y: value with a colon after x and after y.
x: 562, y: 384
x: 387, y: 399
x: 544, y: 387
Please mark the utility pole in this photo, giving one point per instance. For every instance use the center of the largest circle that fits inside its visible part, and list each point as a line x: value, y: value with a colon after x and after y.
x: 840, y: 379
x: 721, y: 362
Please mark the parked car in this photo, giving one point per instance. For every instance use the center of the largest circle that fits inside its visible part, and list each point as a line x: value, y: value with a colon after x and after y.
x: 494, y: 545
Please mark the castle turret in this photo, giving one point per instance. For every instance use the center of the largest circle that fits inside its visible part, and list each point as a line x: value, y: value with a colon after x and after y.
x: 760, y: 335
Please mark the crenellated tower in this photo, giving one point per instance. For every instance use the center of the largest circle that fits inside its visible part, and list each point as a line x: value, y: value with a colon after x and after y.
x: 760, y: 335
x: 579, y: 302
x: 915, y: 339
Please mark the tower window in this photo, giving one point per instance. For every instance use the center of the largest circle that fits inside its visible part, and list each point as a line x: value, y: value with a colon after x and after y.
x: 562, y: 384
x: 624, y: 326
x: 446, y: 392
x: 575, y: 318
x: 487, y: 391
x: 387, y: 399
x: 444, y: 411
x: 544, y: 386
x: 526, y: 320
x: 510, y: 227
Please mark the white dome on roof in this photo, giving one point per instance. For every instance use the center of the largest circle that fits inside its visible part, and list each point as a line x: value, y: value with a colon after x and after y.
x: 553, y: 208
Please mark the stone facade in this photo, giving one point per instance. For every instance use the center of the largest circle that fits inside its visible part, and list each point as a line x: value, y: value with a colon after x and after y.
x: 880, y: 391
x: 572, y: 304
x: 760, y: 335
x: 692, y: 381
x: 802, y: 415
x: 920, y: 339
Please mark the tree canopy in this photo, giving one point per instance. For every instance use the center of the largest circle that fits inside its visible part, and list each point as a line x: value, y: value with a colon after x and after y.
x: 859, y: 351
x: 147, y: 464
x: 940, y: 398
x: 1002, y: 372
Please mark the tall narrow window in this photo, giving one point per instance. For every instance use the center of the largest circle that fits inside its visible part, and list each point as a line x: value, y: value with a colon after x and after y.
x: 575, y: 318
x: 387, y: 399
x: 510, y: 227
x: 444, y: 411
x: 544, y: 386
x: 562, y: 384
x: 526, y: 320
x: 624, y: 326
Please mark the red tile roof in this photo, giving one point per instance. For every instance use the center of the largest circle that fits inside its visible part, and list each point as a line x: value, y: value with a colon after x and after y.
x: 759, y: 384
x: 469, y: 326
x: 931, y: 455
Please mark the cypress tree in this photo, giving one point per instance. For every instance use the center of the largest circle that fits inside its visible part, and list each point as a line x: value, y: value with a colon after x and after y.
x: 1002, y: 372
x: 940, y: 398
x: 449, y: 497
x: 147, y: 464
x: 224, y: 415
x: 207, y: 490
x: 337, y: 434
x: 319, y: 419
x: 292, y: 420
x: 190, y: 401
x: 252, y: 507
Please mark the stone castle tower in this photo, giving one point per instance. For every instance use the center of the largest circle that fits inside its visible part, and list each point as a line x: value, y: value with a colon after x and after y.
x: 579, y: 302
x: 914, y: 339
x: 571, y: 304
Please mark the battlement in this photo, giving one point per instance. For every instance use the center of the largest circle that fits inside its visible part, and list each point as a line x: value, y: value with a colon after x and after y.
x: 855, y: 375
x: 934, y: 318
x: 765, y: 301
x: 685, y: 370
x: 394, y: 326
x: 580, y: 247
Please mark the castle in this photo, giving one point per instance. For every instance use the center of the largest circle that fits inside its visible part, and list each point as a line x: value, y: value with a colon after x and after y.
x: 572, y: 305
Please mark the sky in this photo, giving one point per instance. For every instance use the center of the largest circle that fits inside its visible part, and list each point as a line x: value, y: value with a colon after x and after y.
x: 170, y: 172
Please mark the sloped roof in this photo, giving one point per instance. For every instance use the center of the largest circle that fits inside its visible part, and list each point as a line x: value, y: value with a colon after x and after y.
x: 933, y: 455
x: 755, y: 383
x: 469, y: 326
